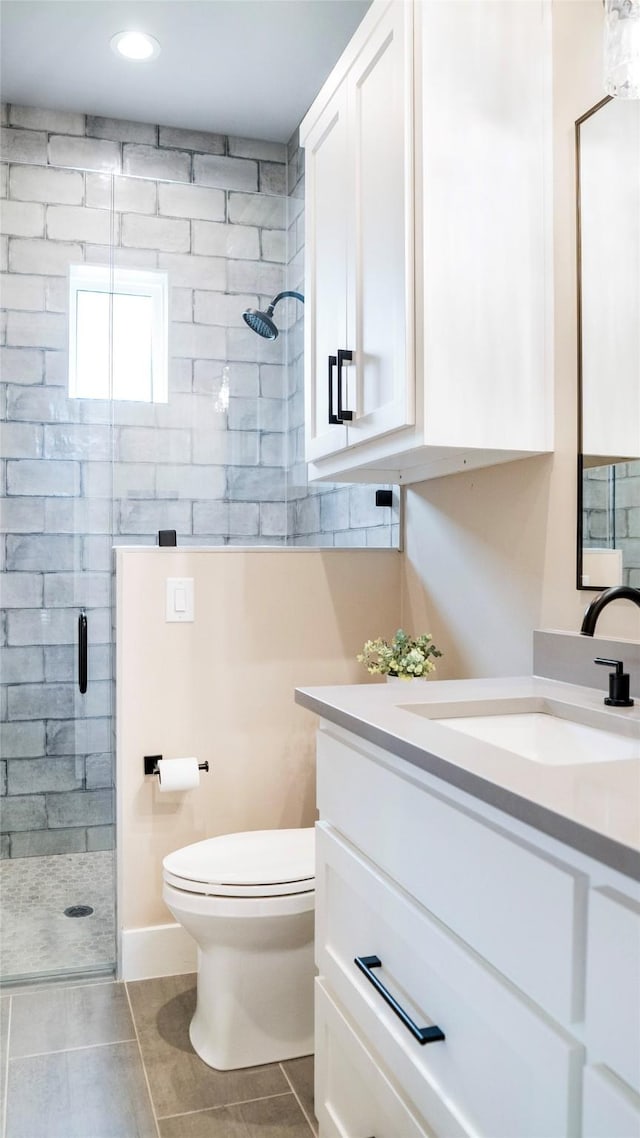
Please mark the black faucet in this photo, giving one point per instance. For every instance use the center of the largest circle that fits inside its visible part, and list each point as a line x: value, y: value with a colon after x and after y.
x: 616, y: 593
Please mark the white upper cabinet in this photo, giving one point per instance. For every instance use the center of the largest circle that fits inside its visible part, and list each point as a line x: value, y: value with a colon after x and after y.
x: 428, y: 243
x: 359, y: 242
x: 326, y: 190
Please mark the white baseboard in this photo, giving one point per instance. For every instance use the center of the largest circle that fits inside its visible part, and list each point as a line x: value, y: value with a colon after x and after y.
x: 161, y: 950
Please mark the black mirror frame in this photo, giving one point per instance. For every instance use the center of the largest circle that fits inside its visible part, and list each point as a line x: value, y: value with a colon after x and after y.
x: 580, y: 458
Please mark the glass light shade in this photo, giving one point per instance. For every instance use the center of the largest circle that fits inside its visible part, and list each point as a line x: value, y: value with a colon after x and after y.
x: 622, y: 48
x: 137, y: 46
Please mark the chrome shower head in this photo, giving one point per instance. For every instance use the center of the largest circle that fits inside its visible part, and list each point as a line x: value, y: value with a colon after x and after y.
x: 262, y: 322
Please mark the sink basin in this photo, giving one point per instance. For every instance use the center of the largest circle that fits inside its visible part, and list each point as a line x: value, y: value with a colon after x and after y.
x: 544, y: 730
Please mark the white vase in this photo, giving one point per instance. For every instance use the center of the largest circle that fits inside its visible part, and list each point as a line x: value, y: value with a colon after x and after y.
x: 405, y: 679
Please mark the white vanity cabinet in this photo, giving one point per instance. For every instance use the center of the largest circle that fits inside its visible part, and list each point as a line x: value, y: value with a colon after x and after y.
x: 428, y: 242
x: 522, y: 951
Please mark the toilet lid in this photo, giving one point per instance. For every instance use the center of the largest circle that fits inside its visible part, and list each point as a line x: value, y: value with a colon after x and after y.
x: 256, y: 859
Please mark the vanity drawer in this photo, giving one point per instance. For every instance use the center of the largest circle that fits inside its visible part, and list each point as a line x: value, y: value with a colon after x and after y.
x: 503, y: 1070
x: 492, y: 889
x: 613, y: 983
x: 611, y: 1110
x: 354, y: 1098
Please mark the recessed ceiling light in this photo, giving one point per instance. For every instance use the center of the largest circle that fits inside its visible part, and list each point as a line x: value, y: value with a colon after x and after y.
x: 137, y: 46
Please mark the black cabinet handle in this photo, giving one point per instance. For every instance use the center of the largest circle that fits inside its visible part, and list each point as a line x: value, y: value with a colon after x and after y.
x: 82, y: 652
x: 333, y: 418
x: 343, y: 415
x: 422, y: 1034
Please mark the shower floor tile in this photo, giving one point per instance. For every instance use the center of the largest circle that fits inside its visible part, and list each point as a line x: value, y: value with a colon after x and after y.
x: 35, y: 936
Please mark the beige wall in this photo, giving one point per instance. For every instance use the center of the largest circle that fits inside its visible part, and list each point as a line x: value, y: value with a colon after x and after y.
x: 221, y: 688
x: 490, y: 555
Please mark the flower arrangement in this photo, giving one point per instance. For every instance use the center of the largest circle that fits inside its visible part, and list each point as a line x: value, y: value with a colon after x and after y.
x: 406, y: 656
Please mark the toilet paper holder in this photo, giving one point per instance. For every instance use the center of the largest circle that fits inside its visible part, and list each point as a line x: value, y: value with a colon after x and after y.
x: 151, y: 764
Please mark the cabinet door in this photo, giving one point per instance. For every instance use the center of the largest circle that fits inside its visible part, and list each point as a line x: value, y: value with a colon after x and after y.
x: 380, y: 382
x: 610, y: 1107
x: 326, y: 252
x: 354, y: 1097
x: 502, y: 1068
x: 613, y: 983
x: 485, y: 296
x: 505, y: 884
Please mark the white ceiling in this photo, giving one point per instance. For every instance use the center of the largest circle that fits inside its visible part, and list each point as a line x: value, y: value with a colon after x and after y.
x: 243, y: 67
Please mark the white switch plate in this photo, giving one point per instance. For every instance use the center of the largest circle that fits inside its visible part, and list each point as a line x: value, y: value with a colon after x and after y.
x: 179, y: 599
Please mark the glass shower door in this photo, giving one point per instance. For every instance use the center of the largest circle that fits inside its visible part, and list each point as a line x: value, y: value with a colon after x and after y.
x: 57, y: 813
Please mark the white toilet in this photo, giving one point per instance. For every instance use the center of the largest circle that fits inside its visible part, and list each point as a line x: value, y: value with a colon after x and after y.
x: 248, y: 902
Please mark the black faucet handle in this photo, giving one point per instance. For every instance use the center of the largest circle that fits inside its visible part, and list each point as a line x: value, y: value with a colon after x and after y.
x: 617, y: 664
x: 618, y: 683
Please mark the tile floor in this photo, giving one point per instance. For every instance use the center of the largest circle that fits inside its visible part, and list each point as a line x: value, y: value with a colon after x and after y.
x: 35, y: 936
x: 111, y: 1060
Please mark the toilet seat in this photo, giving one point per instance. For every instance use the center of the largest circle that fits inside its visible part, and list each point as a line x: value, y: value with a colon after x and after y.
x: 256, y: 863
x: 185, y: 903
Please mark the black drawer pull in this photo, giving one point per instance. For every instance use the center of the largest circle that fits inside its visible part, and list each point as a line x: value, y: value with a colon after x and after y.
x: 333, y: 418
x: 422, y: 1034
x: 82, y: 652
x: 343, y: 414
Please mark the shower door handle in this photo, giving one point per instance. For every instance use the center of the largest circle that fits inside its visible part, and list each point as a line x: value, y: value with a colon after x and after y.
x: 344, y: 416
x: 82, y: 652
x: 333, y: 418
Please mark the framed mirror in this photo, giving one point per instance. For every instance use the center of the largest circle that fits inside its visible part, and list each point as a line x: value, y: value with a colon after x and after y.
x: 608, y: 221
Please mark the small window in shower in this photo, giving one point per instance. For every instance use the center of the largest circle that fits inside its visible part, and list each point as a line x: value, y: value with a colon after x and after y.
x: 117, y: 334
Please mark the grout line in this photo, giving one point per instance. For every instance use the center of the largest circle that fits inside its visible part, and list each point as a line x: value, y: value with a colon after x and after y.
x: 64, y: 1050
x: 53, y: 984
x: 295, y: 1095
x: 144, y: 1069
x: 5, y: 1103
x: 224, y: 1106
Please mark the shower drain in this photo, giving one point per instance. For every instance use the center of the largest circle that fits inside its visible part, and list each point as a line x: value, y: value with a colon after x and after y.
x: 78, y: 911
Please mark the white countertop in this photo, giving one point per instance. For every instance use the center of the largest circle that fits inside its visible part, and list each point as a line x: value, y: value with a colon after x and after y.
x: 594, y: 807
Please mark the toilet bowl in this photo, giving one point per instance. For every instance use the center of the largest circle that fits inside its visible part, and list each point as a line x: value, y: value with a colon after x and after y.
x: 248, y: 901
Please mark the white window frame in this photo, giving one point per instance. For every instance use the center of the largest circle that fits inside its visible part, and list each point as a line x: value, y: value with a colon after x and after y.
x: 137, y: 282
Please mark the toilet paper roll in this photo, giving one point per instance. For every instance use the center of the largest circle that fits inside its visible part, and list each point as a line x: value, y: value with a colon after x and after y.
x: 178, y: 774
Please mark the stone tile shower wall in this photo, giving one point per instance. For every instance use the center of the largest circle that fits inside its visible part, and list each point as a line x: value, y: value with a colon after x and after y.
x: 208, y: 463
x: 78, y: 474
x: 611, y: 514
x: 320, y: 513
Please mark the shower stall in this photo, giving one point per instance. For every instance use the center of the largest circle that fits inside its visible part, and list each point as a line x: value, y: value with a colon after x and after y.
x: 136, y: 399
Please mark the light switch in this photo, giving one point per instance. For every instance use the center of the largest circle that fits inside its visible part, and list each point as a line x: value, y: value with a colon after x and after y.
x: 179, y: 599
